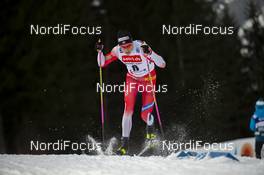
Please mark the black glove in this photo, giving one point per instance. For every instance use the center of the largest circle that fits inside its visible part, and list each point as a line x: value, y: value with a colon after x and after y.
x: 146, y: 48
x: 99, y: 45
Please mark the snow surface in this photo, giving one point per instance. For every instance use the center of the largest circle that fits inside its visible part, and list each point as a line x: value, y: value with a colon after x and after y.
x: 125, y: 165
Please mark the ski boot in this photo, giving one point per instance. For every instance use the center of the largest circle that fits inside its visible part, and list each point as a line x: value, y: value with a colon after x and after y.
x: 149, y: 146
x: 123, y: 149
x: 150, y: 129
x: 150, y: 135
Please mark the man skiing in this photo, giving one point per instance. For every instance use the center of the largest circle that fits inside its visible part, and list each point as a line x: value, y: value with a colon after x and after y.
x: 257, y: 126
x: 140, y: 61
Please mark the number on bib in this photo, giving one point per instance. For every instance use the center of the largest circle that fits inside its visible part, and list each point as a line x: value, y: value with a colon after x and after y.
x: 135, y: 68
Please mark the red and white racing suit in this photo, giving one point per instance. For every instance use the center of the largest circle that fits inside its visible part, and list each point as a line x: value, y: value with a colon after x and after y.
x: 137, y: 79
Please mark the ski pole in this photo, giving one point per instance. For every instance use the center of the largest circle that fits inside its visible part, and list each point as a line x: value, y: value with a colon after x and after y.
x: 101, y: 96
x: 154, y: 97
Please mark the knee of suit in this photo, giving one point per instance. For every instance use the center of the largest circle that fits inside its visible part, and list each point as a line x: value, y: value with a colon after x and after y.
x: 127, y: 114
x: 146, y: 110
x: 144, y: 116
x: 129, y: 110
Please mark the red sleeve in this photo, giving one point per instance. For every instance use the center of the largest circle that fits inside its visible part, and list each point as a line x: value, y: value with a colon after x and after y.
x: 112, y: 58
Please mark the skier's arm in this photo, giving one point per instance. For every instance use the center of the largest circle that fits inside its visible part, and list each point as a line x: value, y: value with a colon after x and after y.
x: 102, y: 60
x: 157, y: 59
x: 253, y: 123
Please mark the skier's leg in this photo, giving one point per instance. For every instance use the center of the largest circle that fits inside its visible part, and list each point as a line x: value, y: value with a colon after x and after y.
x: 258, y: 147
x: 147, y: 100
x: 126, y: 123
x: 146, y: 111
x: 147, y: 106
x: 129, y: 99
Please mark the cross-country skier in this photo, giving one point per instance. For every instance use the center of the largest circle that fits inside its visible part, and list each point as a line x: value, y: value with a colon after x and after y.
x: 257, y: 126
x: 140, y: 61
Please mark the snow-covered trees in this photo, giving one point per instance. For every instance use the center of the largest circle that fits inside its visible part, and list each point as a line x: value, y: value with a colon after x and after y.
x: 251, y: 36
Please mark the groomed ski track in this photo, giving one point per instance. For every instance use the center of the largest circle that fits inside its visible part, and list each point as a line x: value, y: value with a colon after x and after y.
x: 125, y: 165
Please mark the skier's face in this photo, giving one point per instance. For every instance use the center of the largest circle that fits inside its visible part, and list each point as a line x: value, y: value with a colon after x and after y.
x: 127, y: 48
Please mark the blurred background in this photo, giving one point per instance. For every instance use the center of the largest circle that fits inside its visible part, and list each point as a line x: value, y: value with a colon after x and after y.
x: 48, y: 82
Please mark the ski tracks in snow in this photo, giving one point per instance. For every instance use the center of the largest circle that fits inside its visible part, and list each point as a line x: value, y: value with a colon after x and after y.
x: 128, y: 165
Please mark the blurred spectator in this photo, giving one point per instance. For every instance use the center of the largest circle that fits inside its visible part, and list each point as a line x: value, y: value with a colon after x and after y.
x: 257, y: 125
